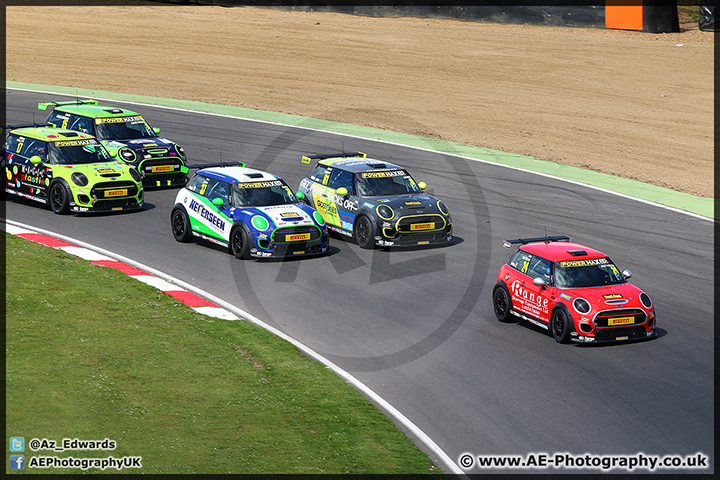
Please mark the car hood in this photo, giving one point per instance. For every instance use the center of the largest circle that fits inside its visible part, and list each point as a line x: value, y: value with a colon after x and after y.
x: 624, y: 295
x: 97, y: 171
x: 142, y: 144
x: 283, y: 215
x: 407, y: 203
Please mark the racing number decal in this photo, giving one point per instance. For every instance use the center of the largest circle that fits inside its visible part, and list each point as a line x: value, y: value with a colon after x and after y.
x: 65, y: 123
x: 203, y: 187
x: 525, y: 266
x: 20, y: 145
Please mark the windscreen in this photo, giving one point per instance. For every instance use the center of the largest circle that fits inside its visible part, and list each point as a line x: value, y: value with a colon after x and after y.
x: 76, y: 152
x: 587, y: 273
x: 123, y: 128
x: 262, y: 194
x: 393, y: 182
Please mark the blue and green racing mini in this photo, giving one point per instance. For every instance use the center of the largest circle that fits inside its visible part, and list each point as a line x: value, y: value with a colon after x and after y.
x: 250, y: 212
x: 160, y: 162
x: 68, y: 170
x: 375, y: 202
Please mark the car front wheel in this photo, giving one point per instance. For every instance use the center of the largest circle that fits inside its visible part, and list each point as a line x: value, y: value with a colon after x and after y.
x: 560, y: 326
x: 180, y: 223
x: 365, y: 232
x: 240, y: 243
x: 59, y: 198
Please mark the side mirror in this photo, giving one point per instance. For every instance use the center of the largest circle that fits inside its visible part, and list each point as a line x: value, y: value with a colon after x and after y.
x: 218, y: 202
x: 342, y: 191
x: 35, y: 160
x: 113, y: 153
x: 156, y: 130
x: 538, y: 282
x: 300, y: 195
x: 422, y: 185
x: 627, y: 274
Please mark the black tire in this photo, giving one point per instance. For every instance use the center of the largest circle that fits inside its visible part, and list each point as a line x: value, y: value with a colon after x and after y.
x: 240, y: 243
x: 59, y: 198
x: 180, y: 225
x: 365, y: 232
x: 560, y: 325
x: 502, y: 305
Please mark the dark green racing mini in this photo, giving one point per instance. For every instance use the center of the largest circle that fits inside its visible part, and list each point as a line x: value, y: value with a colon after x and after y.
x: 160, y: 162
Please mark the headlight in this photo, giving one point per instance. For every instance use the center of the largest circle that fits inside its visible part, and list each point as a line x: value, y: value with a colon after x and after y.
x: 127, y: 155
x: 135, y: 175
x: 581, y: 306
x: 318, y: 218
x: 79, y: 179
x: 180, y: 150
x: 385, y: 212
x: 443, y: 208
x: 645, y: 299
x: 260, y: 222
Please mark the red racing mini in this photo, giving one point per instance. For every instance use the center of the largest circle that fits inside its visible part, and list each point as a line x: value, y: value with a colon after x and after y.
x: 574, y: 291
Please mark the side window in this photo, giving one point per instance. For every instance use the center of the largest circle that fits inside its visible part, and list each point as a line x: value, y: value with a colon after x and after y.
x: 341, y: 178
x: 218, y: 188
x: 539, y: 267
x: 195, y: 184
x: 59, y: 119
x: 318, y: 174
x: 34, y: 147
x: 81, y: 124
x: 521, y: 261
x: 13, y: 144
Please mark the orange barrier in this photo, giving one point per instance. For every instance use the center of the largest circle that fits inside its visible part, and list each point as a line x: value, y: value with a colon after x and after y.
x: 624, y: 14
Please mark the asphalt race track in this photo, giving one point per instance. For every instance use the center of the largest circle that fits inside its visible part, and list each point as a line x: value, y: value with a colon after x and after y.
x: 417, y: 327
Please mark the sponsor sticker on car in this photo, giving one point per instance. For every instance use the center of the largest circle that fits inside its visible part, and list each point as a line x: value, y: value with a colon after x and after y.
x: 162, y: 168
x: 422, y: 226
x: 116, y: 193
x: 297, y: 237
x: 621, y: 321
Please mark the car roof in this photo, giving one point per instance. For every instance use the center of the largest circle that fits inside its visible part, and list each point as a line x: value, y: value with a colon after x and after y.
x: 51, y: 134
x: 96, y: 111
x: 238, y: 174
x: 561, y: 251
x: 358, y: 164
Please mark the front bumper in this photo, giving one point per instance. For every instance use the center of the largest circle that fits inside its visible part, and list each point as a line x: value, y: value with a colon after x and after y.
x: 108, y: 197
x: 316, y: 241
x: 613, y: 335
x: 414, y: 239
x: 404, y: 232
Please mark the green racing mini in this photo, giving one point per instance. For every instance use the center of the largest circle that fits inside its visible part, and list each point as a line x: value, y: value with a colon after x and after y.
x: 159, y: 161
x: 68, y: 170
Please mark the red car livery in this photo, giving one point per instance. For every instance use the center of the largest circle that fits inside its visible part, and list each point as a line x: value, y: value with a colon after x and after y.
x: 574, y: 291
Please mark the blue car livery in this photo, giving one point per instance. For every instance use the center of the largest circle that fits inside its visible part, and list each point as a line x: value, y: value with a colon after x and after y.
x: 252, y: 213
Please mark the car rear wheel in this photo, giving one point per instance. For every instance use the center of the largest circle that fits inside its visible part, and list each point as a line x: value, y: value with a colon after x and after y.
x: 181, y: 228
x: 59, y: 198
x: 240, y: 243
x: 364, y: 232
x: 560, y: 326
x: 502, y: 303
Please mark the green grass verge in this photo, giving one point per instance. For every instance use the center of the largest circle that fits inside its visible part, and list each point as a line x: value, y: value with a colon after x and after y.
x: 93, y: 354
